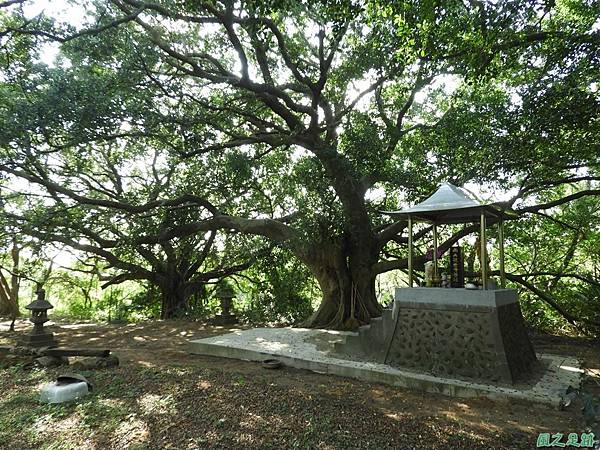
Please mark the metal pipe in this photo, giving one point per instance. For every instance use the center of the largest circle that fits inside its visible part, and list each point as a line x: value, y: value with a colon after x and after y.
x: 410, y: 252
x: 501, y: 249
x: 435, y: 259
x: 483, y: 259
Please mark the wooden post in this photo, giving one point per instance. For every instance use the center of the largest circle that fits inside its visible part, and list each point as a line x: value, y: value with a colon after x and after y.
x: 410, y: 252
x: 435, y: 259
x: 501, y: 249
x: 483, y: 259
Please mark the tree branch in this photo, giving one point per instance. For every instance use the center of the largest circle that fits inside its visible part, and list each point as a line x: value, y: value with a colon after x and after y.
x: 558, y: 202
x: 550, y: 301
x: 270, y: 228
x: 112, y: 204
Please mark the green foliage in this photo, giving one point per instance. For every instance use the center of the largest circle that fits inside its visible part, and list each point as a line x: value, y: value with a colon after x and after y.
x: 281, y: 291
x: 295, y: 112
x: 78, y: 295
x: 585, y: 302
x: 145, y: 303
x: 558, y: 254
x: 362, y: 143
x: 539, y: 316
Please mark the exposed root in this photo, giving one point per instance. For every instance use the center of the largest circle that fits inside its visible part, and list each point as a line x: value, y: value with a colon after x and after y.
x: 352, y: 322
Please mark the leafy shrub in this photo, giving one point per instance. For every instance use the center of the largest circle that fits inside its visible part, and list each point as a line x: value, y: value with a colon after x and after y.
x: 281, y: 291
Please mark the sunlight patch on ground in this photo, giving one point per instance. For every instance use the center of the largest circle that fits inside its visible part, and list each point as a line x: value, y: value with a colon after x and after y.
x: 475, y: 423
x: 77, y: 326
x: 178, y: 371
x: 146, y: 364
x: 473, y: 419
x: 203, y: 384
x: 595, y: 373
x: 520, y: 426
x: 157, y: 404
x: 394, y: 416
x: 111, y: 402
x: 132, y: 433
x: 246, y: 438
x: 21, y: 325
x: 48, y: 423
x: 253, y: 421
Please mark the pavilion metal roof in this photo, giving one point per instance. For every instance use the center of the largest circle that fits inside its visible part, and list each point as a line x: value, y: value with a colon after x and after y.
x: 451, y: 204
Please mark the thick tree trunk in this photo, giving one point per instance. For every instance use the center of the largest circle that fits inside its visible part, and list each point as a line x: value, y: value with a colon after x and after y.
x: 348, y: 286
x: 174, y: 304
x: 177, y: 286
x: 5, y: 305
x: 9, y: 293
x: 345, y: 270
x: 174, y: 296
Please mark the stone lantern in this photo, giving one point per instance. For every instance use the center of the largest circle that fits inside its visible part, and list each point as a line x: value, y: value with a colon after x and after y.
x: 225, y: 295
x: 39, y: 337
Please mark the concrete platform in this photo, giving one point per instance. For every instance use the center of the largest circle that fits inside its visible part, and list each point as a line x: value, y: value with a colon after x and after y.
x: 311, y: 349
x: 450, y: 333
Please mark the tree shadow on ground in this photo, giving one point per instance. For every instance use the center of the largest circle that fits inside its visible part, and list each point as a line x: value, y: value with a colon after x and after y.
x: 163, y: 397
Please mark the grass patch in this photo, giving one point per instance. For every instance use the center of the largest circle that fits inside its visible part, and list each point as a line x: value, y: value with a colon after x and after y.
x: 159, y: 398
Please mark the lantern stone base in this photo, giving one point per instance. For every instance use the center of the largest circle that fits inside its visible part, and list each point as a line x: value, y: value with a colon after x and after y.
x: 473, y: 334
x: 224, y: 319
x: 39, y: 340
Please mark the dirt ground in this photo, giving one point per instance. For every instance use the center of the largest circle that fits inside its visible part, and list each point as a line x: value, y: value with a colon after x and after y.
x: 163, y: 397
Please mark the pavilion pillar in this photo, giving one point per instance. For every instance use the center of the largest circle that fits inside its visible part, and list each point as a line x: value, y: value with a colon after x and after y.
x: 483, y: 258
x: 501, y: 251
x: 435, y: 258
x: 410, y: 252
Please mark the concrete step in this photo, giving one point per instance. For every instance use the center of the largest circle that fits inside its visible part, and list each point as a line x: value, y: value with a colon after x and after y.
x: 371, y: 340
x: 387, y: 314
x: 368, y: 331
x: 351, y: 340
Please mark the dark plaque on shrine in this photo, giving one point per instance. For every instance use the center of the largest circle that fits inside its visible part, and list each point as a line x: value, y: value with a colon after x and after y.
x: 457, y: 270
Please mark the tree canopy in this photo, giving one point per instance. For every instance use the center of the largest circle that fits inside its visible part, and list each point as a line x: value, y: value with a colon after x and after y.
x: 164, y: 124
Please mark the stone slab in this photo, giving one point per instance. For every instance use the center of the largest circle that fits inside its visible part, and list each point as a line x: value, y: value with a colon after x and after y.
x: 224, y: 319
x: 451, y: 297
x: 310, y: 349
x: 38, y: 340
x: 99, y: 353
x: 52, y: 361
x: 91, y: 363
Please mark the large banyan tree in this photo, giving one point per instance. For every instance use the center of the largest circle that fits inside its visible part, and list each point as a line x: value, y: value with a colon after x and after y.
x: 299, y: 120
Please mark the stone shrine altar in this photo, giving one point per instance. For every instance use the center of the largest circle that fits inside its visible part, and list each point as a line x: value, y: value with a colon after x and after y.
x: 464, y: 333
x: 465, y: 339
x: 476, y: 333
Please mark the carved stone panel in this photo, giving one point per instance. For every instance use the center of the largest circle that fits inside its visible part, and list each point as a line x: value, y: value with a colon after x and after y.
x: 446, y: 343
x: 456, y: 333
